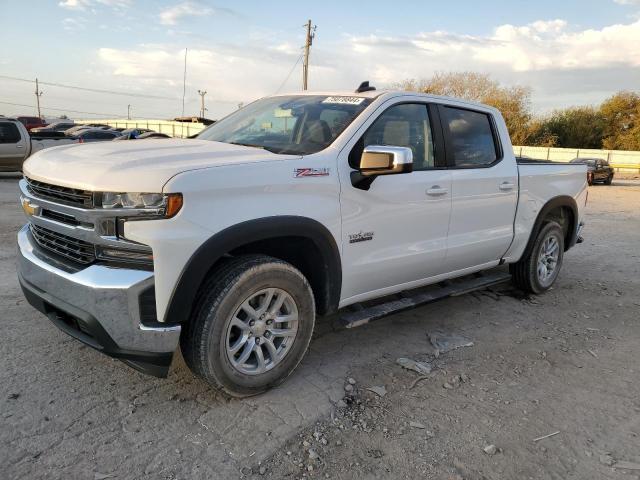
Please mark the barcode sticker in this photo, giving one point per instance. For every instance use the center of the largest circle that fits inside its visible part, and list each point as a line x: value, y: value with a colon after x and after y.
x: 344, y: 100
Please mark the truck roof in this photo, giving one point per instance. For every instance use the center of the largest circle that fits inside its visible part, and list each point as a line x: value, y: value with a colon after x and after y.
x: 389, y: 94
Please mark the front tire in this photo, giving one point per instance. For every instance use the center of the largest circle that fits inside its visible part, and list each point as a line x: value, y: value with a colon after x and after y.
x: 537, y: 272
x: 252, y: 325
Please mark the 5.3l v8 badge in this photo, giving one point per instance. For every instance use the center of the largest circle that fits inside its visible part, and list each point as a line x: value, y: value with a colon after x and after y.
x: 360, y: 237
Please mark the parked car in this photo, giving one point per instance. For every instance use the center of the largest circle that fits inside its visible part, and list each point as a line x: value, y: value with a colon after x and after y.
x: 298, y: 205
x: 54, y: 127
x: 153, y: 135
x: 133, y: 133
x: 16, y: 145
x: 86, y: 126
x: 598, y: 170
x: 95, y: 135
x: 32, y: 122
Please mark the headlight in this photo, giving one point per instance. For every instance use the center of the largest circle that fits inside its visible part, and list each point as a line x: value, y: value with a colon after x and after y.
x: 165, y: 205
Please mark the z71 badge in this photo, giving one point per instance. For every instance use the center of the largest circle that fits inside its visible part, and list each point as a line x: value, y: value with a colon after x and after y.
x: 310, y: 172
x: 360, y: 237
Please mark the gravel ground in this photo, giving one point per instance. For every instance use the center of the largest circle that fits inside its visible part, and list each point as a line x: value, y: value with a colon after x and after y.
x: 565, y: 362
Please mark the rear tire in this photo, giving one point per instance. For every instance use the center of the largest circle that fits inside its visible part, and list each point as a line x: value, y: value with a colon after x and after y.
x: 537, y: 272
x: 251, y: 325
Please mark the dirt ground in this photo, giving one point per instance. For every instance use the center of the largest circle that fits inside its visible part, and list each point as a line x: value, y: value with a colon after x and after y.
x: 567, y: 362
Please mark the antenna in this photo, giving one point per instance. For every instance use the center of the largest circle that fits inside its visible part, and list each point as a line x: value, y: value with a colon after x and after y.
x: 364, y: 87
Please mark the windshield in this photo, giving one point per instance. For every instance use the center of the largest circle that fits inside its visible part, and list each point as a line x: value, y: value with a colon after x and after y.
x: 299, y: 124
x: 588, y: 161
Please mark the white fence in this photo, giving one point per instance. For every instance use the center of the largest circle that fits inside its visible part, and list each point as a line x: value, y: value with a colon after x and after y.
x: 621, y: 160
x: 171, y: 128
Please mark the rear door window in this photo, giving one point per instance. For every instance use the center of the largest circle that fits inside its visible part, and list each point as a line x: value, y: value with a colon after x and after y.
x: 470, y: 137
x: 9, y: 133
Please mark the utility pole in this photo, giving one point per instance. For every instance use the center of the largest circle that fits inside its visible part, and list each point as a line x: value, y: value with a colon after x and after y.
x: 307, y: 46
x: 202, y: 93
x: 38, y: 95
x: 129, y: 112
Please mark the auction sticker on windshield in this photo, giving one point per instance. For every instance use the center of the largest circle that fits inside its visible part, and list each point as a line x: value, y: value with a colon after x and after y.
x: 344, y: 100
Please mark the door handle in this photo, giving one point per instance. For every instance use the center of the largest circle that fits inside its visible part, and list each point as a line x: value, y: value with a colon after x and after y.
x: 19, y: 146
x: 506, y: 186
x: 437, y: 190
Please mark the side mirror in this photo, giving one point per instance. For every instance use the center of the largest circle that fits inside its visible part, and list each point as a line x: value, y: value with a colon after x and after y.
x: 381, y: 160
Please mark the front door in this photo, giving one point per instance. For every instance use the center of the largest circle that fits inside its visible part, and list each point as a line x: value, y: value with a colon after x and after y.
x: 395, y: 234
x: 12, y: 147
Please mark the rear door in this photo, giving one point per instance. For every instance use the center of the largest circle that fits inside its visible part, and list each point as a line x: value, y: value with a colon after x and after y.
x: 13, y: 147
x: 485, y: 187
x: 395, y: 233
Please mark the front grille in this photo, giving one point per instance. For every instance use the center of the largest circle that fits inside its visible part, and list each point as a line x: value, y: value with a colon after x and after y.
x: 68, y: 247
x: 60, y: 217
x: 66, y: 195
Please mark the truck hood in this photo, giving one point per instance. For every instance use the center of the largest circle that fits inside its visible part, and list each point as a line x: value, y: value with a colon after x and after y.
x: 135, y: 165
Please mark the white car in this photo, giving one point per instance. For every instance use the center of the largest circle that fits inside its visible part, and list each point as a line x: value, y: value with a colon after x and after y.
x: 297, y: 205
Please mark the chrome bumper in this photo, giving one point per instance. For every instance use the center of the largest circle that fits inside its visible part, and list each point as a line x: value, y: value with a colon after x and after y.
x: 98, y: 305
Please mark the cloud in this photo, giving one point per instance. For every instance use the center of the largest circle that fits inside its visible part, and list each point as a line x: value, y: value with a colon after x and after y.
x: 564, y: 65
x: 172, y: 15
x: 84, y: 4
x: 73, y: 24
x: 539, y: 45
x: 627, y: 2
x: 75, y: 4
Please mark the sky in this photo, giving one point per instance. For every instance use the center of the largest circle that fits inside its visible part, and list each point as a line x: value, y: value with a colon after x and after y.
x: 571, y: 52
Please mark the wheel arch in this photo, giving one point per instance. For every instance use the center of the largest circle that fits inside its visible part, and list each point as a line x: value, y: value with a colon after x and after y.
x: 302, y: 241
x: 563, y: 206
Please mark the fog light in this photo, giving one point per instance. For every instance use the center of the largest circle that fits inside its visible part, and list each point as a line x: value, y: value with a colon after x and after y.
x: 125, y: 255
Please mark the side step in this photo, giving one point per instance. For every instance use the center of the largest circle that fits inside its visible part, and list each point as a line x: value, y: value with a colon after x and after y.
x: 449, y: 289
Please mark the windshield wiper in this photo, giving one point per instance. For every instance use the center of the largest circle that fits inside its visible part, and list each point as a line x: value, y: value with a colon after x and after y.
x: 247, y: 145
x: 268, y: 149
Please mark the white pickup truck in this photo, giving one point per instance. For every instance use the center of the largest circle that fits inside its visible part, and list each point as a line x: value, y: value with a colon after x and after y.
x: 16, y: 144
x: 294, y: 206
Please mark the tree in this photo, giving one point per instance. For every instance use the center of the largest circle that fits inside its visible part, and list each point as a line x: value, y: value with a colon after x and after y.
x: 575, y: 127
x: 621, y: 114
x: 539, y: 135
x: 513, y: 102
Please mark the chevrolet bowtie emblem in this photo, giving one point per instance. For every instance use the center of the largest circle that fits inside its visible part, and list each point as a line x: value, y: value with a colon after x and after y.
x: 29, y: 208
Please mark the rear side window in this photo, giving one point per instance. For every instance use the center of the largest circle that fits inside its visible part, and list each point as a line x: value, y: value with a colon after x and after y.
x: 9, y: 133
x: 470, y: 137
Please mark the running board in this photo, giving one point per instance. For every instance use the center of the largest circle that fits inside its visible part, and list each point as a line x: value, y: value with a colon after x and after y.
x: 451, y: 288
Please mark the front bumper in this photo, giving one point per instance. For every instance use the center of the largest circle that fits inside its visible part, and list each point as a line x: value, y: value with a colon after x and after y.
x: 98, y: 305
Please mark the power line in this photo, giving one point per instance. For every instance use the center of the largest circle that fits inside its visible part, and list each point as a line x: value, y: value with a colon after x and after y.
x: 97, y: 90
x: 86, y: 89
x: 114, y: 115
x: 289, y: 75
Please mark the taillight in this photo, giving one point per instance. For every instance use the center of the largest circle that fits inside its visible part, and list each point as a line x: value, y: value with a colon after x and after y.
x: 81, y: 140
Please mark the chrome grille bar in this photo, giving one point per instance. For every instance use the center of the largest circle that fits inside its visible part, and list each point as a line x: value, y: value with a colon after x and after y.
x: 70, y: 196
x: 68, y: 247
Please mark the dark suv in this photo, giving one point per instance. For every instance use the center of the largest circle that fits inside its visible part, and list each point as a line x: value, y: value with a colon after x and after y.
x: 598, y: 170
